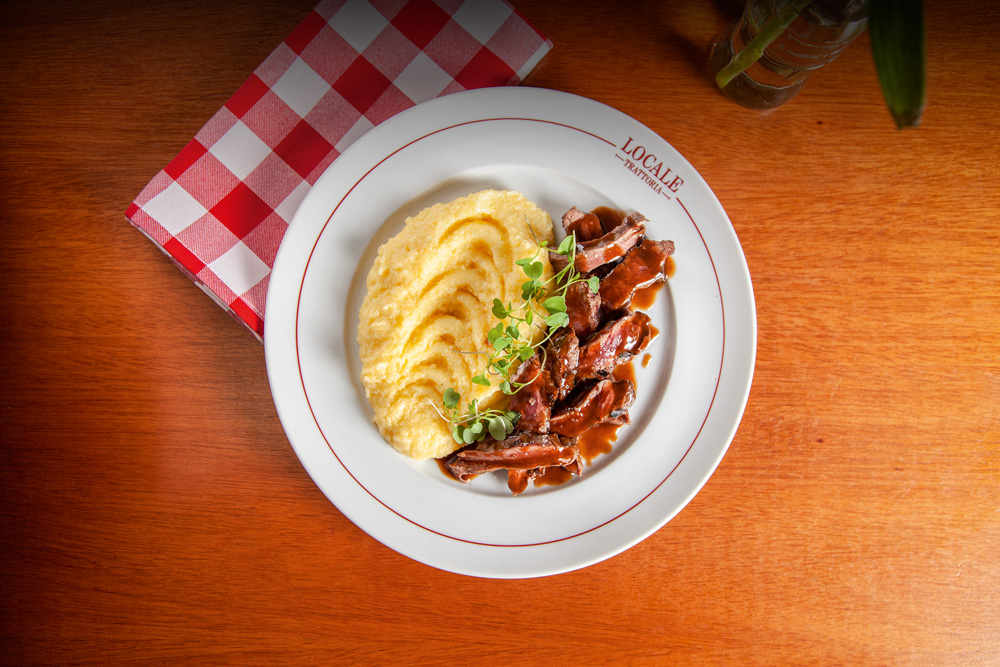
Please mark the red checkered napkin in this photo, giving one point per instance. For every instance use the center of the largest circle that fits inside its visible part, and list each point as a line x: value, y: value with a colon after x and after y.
x: 220, y: 208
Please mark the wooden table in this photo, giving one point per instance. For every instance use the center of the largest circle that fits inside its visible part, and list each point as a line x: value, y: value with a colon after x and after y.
x: 154, y: 513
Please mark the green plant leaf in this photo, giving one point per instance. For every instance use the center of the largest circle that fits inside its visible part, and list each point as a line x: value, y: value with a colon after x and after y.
x: 896, y: 29
x: 556, y: 320
x: 567, y: 245
x: 493, y: 334
x: 497, y: 429
x: 555, y: 304
x: 451, y: 398
x: 508, y: 426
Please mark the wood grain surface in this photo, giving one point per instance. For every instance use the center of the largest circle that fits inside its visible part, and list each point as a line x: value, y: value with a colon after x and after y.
x: 153, y: 511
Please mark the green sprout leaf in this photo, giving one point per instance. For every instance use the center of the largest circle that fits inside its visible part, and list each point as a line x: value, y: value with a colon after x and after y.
x: 534, y: 270
x: 567, y: 245
x: 499, y: 311
x: 451, y: 398
x: 497, y: 428
x: 493, y: 334
x: 556, y: 320
x: 555, y: 304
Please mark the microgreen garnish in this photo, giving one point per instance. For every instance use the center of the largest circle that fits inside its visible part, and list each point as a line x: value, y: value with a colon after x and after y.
x: 474, y: 424
x: 543, y: 308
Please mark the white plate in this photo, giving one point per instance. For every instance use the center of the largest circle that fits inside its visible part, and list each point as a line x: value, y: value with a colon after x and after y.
x: 559, y: 150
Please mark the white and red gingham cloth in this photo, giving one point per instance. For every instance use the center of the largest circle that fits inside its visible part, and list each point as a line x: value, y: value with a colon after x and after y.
x: 220, y: 208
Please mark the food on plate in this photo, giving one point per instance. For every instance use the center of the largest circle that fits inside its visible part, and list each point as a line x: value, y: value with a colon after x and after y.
x: 426, y: 318
x: 570, y: 383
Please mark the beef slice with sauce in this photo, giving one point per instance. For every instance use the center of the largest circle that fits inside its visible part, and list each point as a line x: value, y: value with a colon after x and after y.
x: 586, y: 226
x: 612, y: 246
x: 526, y: 452
x: 534, y: 400
x: 583, y: 307
x: 597, y: 403
x: 615, y: 343
x: 644, y: 266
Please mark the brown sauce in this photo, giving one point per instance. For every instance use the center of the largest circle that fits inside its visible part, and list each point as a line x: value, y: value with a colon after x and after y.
x: 598, y: 440
x: 609, y: 217
x: 444, y: 469
x: 553, y: 477
x: 644, y: 298
x: 624, y: 372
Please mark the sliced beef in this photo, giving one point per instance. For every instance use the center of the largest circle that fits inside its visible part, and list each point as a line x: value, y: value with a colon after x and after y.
x: 562, y: 356
x: 615, y: 343
x: 586, y: 226
x: 594, y: 404
x: 521, y: 451
x: 645, y: 265
x: 611, y: 246
x: 534, y: 400
x: 584, y: 309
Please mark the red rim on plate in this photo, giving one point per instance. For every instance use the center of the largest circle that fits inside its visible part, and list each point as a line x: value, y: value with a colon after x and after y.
x: 425, y: 134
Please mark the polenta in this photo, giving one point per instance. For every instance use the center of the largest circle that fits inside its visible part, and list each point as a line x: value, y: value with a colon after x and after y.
x: 428, y: 310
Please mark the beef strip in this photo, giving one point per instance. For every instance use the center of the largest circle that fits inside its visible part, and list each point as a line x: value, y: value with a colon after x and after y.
x: 584, y: 310
x: 521, y: 451
x: 586, y: 226
x: 562, y: 356
x: 612, y: 246
x: 615, y: 343
x: 534, y: 400
x: 599, y: 402
x: 645, y: 265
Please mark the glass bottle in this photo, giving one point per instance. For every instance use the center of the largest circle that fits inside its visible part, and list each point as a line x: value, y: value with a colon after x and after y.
x: 796, y: 37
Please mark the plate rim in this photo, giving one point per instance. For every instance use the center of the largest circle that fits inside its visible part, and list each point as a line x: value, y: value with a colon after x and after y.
x: 520, y: 95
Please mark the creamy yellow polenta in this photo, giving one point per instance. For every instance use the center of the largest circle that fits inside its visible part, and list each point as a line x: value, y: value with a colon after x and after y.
x: 429, y: 300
